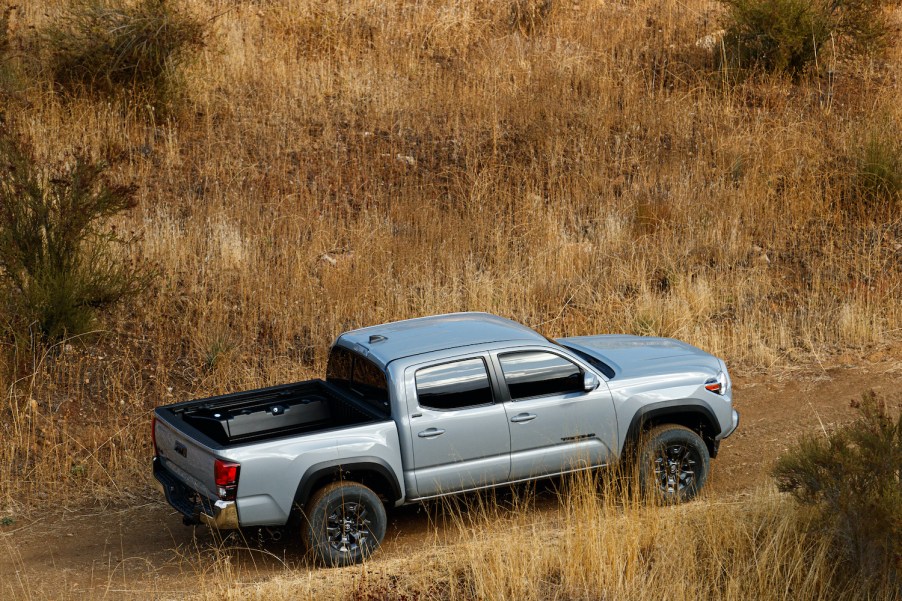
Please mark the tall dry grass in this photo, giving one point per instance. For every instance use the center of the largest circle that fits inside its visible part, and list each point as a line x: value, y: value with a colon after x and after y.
x: 606, y: 545
x: 580, y: 167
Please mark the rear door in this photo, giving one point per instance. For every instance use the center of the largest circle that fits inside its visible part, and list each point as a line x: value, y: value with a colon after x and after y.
x: 459, y: 431
x: 555, y: 425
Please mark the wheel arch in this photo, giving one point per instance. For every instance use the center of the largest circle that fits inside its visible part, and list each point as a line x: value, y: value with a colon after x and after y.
x: 698, y: 418
x: 372, y: 472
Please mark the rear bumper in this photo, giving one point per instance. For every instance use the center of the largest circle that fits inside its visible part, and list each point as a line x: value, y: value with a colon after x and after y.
x: 195, y: 507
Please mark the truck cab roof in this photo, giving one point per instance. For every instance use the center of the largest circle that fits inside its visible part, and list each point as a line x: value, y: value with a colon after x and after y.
x: 384, y: 343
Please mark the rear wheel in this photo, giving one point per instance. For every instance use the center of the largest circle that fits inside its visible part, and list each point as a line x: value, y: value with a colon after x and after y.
x: 673, y: 463
x: 344, y: 523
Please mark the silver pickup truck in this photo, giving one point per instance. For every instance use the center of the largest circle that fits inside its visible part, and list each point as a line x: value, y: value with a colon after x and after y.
x: 439, y: 405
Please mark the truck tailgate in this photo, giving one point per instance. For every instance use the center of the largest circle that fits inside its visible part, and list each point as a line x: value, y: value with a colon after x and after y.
x: 191, y: 462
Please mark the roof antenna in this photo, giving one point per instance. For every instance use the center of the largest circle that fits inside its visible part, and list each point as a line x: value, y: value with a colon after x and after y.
x: 377, y: 338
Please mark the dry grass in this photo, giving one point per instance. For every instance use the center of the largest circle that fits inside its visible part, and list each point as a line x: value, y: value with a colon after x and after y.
x: 580, y: 167
x: 597, y: 546
x: 595, y: 542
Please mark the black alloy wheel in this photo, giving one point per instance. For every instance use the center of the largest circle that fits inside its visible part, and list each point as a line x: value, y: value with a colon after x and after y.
x: 673, y: 463
x: 343, y: 523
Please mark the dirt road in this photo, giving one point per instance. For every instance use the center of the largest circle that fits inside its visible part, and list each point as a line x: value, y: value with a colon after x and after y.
x: 144, y: 551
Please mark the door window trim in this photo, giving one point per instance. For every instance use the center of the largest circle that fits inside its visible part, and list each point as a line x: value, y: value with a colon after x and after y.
x: 499, y: 370
x: 486, y: 363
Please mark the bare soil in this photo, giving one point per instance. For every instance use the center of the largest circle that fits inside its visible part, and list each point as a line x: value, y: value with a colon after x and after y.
x: 143, y: 551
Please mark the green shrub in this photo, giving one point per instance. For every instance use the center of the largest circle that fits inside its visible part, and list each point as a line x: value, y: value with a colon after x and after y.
x: 120, y: 45
x: 788, y: 35
x: 58, y: 259
x: 879, y: 168
x: 853, y: 481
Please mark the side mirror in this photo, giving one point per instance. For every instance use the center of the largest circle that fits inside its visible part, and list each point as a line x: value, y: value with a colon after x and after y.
x: 590, y: 381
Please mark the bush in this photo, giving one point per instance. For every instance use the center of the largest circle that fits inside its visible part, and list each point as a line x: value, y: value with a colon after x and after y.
x: 120, y: 45
x: 58, y: 261
x: 879, y: 168
x: 788, y: 35
x: 853, y: 481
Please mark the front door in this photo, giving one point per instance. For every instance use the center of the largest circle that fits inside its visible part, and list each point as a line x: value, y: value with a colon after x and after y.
x: 459, y: 433
x: 555, y: 424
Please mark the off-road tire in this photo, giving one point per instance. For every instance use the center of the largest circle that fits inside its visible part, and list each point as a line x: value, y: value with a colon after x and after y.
x: 343, y: 523
x: 673, y: 463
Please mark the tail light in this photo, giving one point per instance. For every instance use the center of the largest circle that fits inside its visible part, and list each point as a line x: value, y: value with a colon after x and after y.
x: 226, y: 476
x: 153, y: 434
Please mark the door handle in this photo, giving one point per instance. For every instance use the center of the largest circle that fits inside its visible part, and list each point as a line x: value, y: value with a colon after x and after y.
x: 523, y: 417
x: 431, y: 432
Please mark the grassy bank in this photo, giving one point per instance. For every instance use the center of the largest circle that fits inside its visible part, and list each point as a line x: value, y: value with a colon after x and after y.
x: 595, y: 546
x: 584, y: 167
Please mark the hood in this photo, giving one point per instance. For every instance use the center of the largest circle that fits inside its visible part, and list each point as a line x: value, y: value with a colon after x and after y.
x: 635, y: 356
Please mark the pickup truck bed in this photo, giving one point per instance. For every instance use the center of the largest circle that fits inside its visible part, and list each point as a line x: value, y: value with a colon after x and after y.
x: 287, y: 410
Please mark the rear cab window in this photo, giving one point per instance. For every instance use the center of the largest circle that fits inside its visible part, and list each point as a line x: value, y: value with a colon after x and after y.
x: 358, y: 376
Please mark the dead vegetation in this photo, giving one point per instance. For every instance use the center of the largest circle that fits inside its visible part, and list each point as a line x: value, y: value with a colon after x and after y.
x: 602, y: 543
x: 581, y: 167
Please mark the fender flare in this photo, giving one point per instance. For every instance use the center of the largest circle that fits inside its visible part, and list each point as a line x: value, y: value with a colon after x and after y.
x: 337, y: 467
x: 683, y: 408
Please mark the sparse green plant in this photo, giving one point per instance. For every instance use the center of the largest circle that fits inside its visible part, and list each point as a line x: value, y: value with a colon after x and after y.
x: 108, y: 46
x: 789, y: 35
x: 646, y: 324
x: 852, y: 480
x: 216, y: 349
x: 879, y: 168
x: 58, y: 257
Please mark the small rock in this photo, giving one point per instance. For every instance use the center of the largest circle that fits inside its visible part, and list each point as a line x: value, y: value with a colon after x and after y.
x: 406, y: 159
x: 327, y: 258
x: 710, y: 41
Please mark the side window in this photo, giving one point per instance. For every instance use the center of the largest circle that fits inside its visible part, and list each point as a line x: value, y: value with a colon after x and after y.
x: 537, y: 373
x: 454, y: 385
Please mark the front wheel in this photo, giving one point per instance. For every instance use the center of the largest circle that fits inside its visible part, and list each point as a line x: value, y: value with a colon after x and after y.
x: 344, y: 523
x: 673, y: 463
